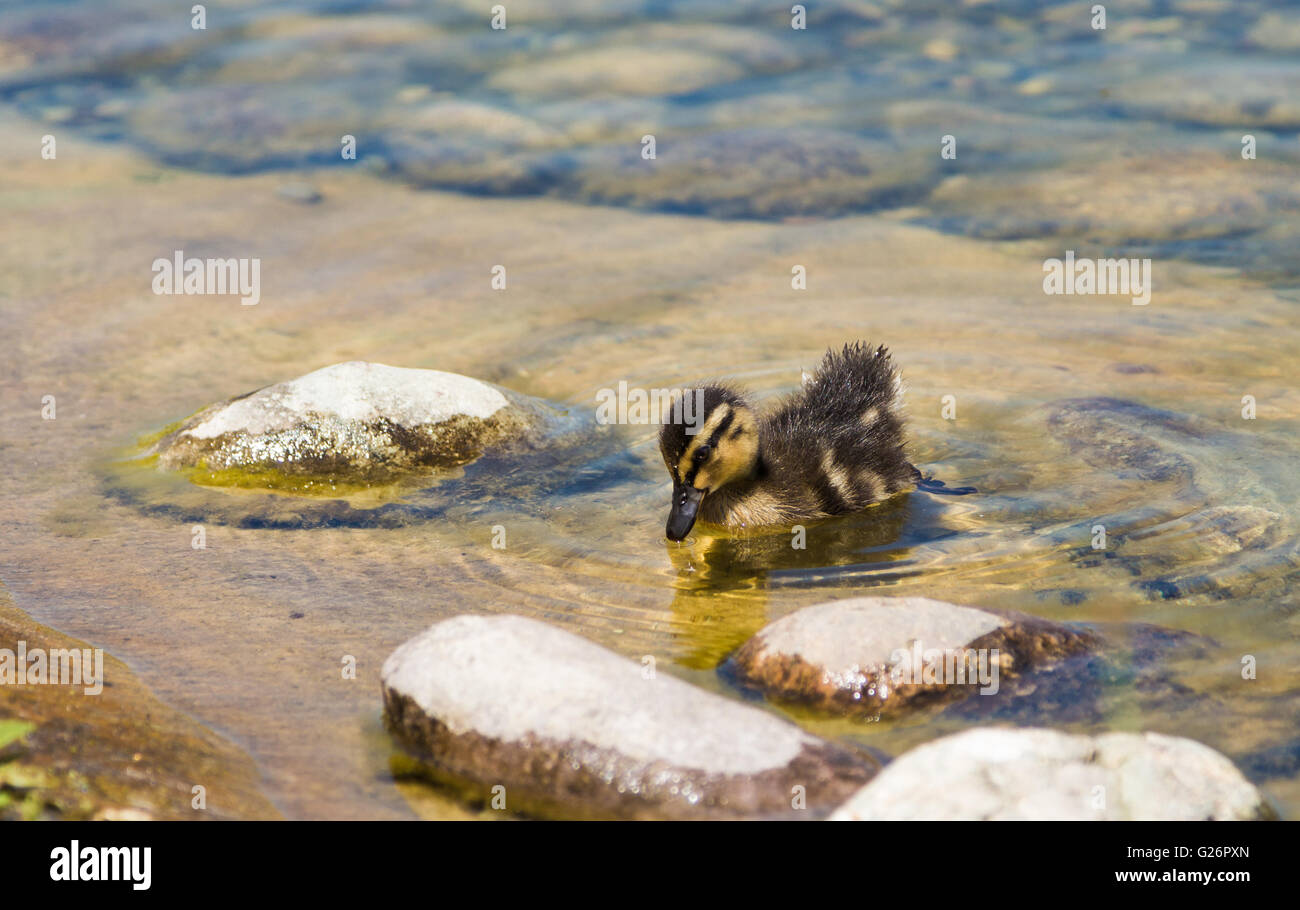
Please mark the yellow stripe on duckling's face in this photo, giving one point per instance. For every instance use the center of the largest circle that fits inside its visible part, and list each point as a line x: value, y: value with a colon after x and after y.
x: 731, y: 437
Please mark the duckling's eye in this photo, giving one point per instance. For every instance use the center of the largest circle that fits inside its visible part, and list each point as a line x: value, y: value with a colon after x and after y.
x: 702, y: 454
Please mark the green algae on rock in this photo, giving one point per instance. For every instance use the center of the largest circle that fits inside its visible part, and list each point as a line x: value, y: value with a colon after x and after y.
x: 354, y: 424
x: 572, y: 729
x: 876, y: 654
x: 1003, y: 774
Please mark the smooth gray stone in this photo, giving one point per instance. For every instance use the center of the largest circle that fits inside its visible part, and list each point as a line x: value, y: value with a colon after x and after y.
x: 997, y: 773
x: 353, y: 421
x: 868, y: 654
x: 572, y: 729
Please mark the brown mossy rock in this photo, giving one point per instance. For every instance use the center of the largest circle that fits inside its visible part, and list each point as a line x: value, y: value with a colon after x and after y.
x: 353, y: 422
x: 118, y: 754
x: 859, y: 655
x: 573, y: 730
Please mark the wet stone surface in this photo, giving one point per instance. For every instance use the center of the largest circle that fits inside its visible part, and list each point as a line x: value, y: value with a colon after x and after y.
x: 873, y: 655
x: 991, y: 773
x: 595, y: 735
x: 352, y: 422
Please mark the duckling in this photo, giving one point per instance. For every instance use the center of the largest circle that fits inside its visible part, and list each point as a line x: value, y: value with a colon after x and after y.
x: 834, y: 446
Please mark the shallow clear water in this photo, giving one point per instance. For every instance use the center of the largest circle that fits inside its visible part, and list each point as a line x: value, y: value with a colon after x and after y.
x: 1121, y: 143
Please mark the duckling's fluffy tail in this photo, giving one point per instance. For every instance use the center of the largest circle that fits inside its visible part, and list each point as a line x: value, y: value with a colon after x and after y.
x: 858, y: 377
x: 848, y: 417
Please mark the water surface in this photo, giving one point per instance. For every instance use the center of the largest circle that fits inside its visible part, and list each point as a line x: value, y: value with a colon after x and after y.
x: 774, y: 148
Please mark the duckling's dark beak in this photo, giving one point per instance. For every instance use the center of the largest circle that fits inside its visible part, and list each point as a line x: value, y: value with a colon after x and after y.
x: 686, y: 503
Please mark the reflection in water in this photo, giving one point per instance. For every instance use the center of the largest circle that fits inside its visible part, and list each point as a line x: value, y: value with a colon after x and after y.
x: 742, y: 567
x: 871, y: 540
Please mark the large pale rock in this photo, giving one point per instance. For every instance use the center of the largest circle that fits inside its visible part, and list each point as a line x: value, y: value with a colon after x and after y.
x: 788, y: 172
x: 573, y: 730
x: 352, y: 422
x: 869, y: 654
x: 994, y: 773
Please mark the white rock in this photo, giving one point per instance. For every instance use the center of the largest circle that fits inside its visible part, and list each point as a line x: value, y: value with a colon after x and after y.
x: 356, y: 391
x: 356, y: 422
x: 996, y: 773
x: 843, y: 635
x: 512, y: 700
x: 867, y: 654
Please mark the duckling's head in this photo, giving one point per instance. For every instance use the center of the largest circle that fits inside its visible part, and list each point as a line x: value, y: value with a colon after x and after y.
x: 706, y: 446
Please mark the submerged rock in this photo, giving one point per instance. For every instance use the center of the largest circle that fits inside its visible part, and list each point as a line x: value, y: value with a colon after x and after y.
x: 1175, y: 199
x: 300, y: 192
x: 237, y: 127
x: 869, y: 654
x: 1124, y: 437
x: 1219, y: 92
x: 788, y: 173
x: 351, y: 422
x: 636, y: 70
x: 572, y: 729
x: 997, y: 773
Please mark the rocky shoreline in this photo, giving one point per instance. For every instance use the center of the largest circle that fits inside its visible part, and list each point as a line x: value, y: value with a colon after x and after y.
x: 537, y: 721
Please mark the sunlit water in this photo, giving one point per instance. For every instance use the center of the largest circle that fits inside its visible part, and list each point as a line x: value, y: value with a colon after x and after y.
x: 1071, y: 412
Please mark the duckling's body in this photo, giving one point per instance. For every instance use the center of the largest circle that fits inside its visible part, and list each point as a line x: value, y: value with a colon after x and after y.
x: 833, y: 447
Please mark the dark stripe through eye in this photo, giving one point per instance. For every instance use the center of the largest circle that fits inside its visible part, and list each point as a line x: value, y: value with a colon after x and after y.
x: 722, y: 428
